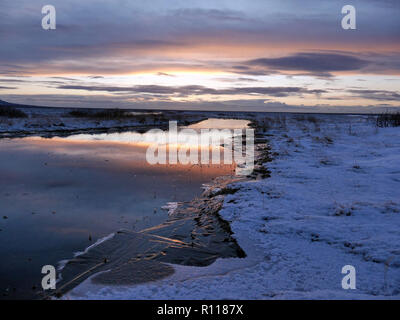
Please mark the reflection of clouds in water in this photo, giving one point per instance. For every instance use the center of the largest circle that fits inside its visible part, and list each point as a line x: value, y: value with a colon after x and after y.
x: 110, y: 155
x: 123, y: 137
x: 155, y: 136
x: 200, y: 134
x: 81, y: 147
x: 128, y: 149
x: 221, y: 124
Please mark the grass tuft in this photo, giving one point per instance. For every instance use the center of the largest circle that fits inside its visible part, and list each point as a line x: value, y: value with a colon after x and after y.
x: 385, y: 120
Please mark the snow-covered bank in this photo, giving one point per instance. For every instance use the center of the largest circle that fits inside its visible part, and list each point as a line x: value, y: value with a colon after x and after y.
x: 65, y: 121
x: 333, y: 199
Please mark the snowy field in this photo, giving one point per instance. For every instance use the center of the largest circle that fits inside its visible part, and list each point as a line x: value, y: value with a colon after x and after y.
x: 333, y: 199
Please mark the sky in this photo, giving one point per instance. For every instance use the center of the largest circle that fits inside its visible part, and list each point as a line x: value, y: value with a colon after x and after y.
x: 250, y: 55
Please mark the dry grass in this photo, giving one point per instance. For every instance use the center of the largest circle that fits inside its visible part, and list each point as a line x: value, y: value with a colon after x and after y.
x: 103, y: 115
x: 11, y: 112
x: 388, y: 120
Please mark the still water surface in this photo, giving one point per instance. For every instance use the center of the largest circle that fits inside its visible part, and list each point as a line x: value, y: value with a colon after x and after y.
x: 59, y: 195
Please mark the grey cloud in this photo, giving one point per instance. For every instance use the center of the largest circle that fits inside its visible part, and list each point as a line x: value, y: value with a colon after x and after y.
x: 165, y: 74
x: 198, y: 90
x: 379, y: 95
x: 209, y: 14
x: 241, y: 79
x: 12, y: 80
x: 320, y: 63
x: 4, y: 87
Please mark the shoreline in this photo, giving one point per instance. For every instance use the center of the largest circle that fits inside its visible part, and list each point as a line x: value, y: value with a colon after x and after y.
x: 206, y: 246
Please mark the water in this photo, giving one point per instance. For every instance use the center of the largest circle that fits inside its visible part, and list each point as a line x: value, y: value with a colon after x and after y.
x: 59, y: 195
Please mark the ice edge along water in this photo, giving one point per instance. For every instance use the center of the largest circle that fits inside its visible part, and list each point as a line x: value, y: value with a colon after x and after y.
x: 61, y: 264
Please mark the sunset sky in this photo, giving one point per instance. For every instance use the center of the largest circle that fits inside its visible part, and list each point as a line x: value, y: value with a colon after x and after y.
x: 261, y: 55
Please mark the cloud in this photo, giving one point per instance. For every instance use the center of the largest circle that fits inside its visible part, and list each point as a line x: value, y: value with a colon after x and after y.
x: 240, y: 79
x: 165, y: 74
x: 12, y: 80
x: 132, y: 33
x: 379, y: 95
x: 95, y: 39
x: 4, y: 87
x: 217, y: 15
x: 183, y: 91
x: 314, y: 63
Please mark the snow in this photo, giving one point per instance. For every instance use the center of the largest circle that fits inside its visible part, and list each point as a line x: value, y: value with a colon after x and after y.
x: 170, y: 207
x: 333, y: 199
